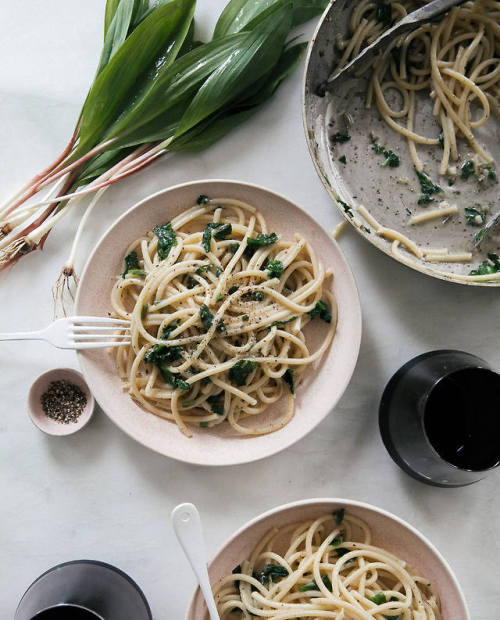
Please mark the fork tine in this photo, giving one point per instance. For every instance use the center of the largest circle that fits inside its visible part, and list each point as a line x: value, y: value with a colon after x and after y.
x: 76, y: 329
x: 97, y: 320
x: 99, y: 345
x: 99, y: 337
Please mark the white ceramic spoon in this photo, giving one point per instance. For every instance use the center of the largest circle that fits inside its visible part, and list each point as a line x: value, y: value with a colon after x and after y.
x: 187, y: 527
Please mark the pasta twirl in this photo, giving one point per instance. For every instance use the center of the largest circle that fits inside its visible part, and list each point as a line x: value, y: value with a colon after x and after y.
x: 324, y: 568
x: 217, y: 305
x: 455, y: 62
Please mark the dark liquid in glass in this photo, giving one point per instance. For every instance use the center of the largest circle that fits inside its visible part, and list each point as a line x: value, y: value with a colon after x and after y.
x: 462, y: 418
x: 66, y: 612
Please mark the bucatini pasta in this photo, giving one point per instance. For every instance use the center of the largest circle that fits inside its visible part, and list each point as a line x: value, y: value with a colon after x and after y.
x: 217, y: 305
x: 453, y: 64
x: 324, y: 568
x: 455, y: 61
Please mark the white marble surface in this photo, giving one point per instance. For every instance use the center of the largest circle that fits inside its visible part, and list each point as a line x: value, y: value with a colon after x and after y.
x: 99, y: 494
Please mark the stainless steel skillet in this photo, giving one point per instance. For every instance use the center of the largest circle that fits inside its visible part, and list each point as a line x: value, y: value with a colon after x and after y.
x: 388, y: 194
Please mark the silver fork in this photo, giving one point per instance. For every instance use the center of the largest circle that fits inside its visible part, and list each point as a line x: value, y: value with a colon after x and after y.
x: 79, y: 332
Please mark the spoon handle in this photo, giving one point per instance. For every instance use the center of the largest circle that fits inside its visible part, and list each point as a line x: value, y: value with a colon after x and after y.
x: 187, y: 527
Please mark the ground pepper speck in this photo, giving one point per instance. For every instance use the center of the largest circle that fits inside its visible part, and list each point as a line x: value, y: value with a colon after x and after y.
x: 63, y: 401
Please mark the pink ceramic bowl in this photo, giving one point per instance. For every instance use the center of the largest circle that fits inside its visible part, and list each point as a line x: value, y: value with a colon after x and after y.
x: 36, y: 412
x: 389, y: 532
x: 323, y: 384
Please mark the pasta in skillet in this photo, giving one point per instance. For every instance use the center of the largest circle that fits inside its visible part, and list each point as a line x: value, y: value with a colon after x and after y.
x: 455, y: 61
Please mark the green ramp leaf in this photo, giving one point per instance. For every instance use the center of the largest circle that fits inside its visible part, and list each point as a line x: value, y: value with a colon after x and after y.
x: 111, y: 7
x: 259, y: 52
x: 285, y: 66
x: 214, y: 128
x: 164, y: 29
x: 189, y: 42
x: 304, y: 10
x: 140, y: 10
x: 117, y: 31
x: 166, y: 95
x: 238, y: 14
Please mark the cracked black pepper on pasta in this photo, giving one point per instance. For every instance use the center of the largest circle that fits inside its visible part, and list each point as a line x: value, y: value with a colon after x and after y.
x: 228, y: 299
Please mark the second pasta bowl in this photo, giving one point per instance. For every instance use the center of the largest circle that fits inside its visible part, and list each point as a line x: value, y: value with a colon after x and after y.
x: 221, y: 296
x: 322, y: 557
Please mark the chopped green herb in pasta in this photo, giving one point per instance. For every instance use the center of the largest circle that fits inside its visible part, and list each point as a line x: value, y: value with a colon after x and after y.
x: 215, y: 337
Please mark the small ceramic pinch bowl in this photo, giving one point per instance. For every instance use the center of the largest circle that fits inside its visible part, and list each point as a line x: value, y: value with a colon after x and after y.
x: 388, y: 532
x: 38, y: 415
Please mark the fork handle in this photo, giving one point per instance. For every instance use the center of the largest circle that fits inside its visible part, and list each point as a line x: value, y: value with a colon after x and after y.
x: 38, y: 335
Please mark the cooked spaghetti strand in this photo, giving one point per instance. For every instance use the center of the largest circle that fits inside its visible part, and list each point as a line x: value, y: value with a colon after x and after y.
x: 455, y: 61
x: 325, y: 568
x: 217, y: 305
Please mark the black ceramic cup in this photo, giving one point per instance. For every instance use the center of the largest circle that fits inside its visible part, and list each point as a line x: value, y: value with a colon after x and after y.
x: 439, y: 418
x: 83, y: 590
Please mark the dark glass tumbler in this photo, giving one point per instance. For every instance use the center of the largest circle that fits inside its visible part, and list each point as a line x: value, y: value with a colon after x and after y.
x: 439, y: 418
x: 83, y: 590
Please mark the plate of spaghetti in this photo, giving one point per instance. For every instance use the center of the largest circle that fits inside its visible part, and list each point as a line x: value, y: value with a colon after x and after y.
x: 408, y: 147
x: 331, y: 558
x: 244, y: 319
